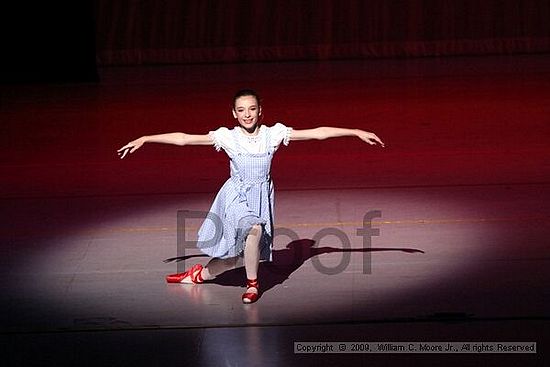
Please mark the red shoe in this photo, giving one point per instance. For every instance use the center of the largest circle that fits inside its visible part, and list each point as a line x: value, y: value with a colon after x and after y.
x: 251, y: 297
x: 191, y: 276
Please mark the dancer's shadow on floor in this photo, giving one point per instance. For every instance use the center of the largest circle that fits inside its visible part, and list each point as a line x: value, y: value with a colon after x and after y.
x: 287, y: 261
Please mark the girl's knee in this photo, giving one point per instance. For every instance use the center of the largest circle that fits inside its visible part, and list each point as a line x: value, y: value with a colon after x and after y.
x: 256, y: 230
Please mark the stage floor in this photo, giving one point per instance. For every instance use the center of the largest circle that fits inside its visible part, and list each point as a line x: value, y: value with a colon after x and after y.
x: 459, y: 202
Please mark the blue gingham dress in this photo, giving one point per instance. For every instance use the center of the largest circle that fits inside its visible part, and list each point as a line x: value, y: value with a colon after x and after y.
x: 246, y: 198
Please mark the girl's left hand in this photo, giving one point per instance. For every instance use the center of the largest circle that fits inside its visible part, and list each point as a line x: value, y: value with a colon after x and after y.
x: 370, y: 138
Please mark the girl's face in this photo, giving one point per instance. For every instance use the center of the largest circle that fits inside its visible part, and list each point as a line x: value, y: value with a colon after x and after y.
x: 247, y: 112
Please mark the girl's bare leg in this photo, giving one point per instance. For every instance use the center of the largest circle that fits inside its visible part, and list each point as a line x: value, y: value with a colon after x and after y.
x: 217, y: 266
x: 252, y: 252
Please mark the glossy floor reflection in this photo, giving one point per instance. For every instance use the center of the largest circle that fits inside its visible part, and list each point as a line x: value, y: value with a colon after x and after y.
x: 433, y: 270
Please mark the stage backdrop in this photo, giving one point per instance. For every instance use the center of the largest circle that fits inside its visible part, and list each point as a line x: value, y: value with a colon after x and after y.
x: 131, y: 32
x: 47, y: 41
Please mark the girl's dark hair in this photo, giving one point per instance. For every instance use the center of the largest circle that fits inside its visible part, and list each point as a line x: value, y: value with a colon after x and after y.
x: 245, y: 93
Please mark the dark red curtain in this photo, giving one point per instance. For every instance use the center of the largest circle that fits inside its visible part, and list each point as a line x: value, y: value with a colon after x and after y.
x: 47, y: 41
x: 195, y: 31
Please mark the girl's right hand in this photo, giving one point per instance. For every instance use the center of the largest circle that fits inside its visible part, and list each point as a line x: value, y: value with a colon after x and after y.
x: 131, y: 147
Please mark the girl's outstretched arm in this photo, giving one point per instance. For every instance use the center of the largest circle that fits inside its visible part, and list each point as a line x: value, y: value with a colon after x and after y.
x: 180, y: 139
x: 321, y: 133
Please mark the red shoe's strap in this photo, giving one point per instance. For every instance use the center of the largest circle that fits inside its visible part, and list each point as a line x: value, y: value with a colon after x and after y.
x: 252, y: 283
x: 196, y: 273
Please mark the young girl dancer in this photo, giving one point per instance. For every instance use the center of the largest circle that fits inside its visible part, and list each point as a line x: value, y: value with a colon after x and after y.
x: 240, y: 222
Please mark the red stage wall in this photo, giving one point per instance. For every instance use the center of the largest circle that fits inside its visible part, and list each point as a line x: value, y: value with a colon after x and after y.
x: 196, y: 31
